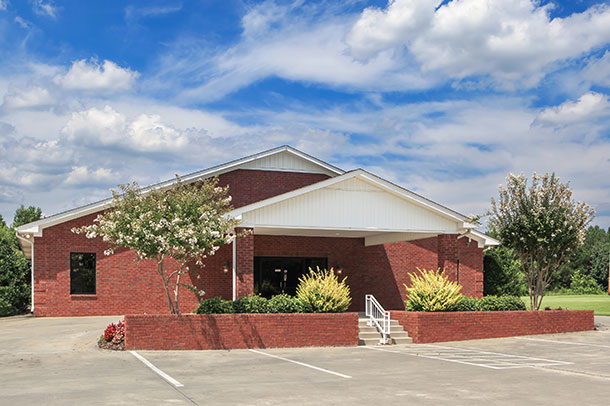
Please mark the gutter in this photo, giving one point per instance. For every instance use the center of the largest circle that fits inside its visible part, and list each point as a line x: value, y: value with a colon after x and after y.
x: 32, y: 269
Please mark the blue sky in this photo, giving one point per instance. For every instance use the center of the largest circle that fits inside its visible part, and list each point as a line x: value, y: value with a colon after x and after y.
x: 443, y: 98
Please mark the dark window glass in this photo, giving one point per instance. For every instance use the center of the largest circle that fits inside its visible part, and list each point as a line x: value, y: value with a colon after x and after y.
x: 82, y: 273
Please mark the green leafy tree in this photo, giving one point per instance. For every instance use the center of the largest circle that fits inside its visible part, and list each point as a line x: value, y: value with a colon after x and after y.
x: 542, y: 224
x: 25, y: 215
x: 591, y: 258
x: 502, y: 272
x: 186, y: 224
x: 14, y: 274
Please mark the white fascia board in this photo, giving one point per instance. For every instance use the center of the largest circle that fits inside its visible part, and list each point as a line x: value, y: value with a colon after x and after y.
x: 482, y: 239
x: 487, y: 240
x: 35, y: 228
x: 314, y: 160
x: 368, y: 177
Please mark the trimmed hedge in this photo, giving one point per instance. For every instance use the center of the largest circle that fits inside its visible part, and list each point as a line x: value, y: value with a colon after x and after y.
x: 215, y: 305
x: 487, y: 304
x: 252, y: 304
x: 285, y: 304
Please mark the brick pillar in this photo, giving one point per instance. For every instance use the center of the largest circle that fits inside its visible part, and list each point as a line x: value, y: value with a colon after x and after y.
x: 245, y: 263
x: 448, y: 255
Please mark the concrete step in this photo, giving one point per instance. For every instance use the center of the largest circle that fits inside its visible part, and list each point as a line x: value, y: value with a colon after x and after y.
x: 399, y: 334
x: 364, y: 322
x: 402, y: 340
x: 368, y: 329
x: 368, y: 341
x: 369, y: 335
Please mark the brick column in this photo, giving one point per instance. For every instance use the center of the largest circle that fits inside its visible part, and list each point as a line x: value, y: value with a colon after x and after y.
x: 448, y: 255
x: 245, y: 263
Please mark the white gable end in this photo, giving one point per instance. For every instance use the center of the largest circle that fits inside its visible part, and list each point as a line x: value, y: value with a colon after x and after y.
x: 286, y: 161
x: 352, y: 203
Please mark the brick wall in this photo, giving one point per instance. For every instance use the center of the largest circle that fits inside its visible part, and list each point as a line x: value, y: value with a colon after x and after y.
x: 232, y: 331
x: 127, y: 286
x: 249, y: 186
x: 470, y: 272
x: 457, y: 326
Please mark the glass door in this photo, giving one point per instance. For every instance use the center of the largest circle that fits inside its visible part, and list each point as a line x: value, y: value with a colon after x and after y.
x: 275, y: 275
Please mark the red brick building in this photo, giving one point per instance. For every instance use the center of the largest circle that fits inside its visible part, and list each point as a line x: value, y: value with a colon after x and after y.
x: 302, y: 213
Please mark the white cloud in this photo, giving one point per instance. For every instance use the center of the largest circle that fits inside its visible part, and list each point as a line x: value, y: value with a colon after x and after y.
x: 46, y: 8
x: 510, y: 40
x: 27, y: 98
x: 586, y: 109
x: 141, y: 134
x: 406, y: 46
x: 277, y: 43
x: 25, y: 24
x: 134, y: 13
x: 3, y: 4
x: 83, y: 176
x: 107, y: 77
x: 598, y: 71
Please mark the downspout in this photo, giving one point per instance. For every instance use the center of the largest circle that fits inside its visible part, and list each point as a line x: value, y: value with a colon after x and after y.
x: 234, y: 262
x: 32, y: 269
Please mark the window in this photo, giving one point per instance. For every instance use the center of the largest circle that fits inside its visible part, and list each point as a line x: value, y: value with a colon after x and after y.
x: 82, y: 273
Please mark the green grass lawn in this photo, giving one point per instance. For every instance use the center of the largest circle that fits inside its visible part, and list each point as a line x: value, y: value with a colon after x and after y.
x: 599, y: 303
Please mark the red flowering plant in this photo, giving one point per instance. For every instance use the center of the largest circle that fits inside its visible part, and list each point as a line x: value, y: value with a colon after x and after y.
x: 113, y: 337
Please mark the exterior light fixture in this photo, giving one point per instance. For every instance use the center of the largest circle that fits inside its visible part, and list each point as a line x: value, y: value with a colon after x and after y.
x: 225, y: 267
x: 339, y: 269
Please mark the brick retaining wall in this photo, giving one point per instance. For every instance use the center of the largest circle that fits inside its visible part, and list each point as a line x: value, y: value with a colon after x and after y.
x: 457, y: 326
x: 233, y: 331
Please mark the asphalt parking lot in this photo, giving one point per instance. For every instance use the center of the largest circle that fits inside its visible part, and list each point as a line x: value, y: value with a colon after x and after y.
x: 54, y: 361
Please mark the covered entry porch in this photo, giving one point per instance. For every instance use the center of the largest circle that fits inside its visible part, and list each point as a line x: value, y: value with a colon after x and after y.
x: 371, y: 231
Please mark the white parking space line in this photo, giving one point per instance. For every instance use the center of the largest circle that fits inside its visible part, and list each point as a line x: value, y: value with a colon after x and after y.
x: 484, y: 359
x: 302, y: 364
x: 562, y: 342
x: 157, y: 370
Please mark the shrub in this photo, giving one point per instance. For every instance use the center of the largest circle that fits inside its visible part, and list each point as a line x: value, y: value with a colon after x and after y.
x: 467, y: 304
x: 113, y: 337
x: 285, y: 304
x: 215, y: 305
x: 251, y: 304
x: 432, y: 292
x: 583, y: 284
x: 321, y: 291
x: 501, y: 303
x: 6, y: 308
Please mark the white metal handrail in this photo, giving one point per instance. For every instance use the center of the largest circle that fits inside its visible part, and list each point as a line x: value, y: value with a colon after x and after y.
x: 378, y: 317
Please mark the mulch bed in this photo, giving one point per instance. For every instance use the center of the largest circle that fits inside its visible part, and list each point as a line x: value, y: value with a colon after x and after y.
x: 105, y: 345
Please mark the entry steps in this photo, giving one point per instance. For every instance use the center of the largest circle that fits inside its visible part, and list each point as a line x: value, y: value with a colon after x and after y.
x: 369, y: 335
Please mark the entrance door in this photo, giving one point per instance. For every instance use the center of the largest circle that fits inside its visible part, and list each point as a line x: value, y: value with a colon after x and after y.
x: 275, y: 275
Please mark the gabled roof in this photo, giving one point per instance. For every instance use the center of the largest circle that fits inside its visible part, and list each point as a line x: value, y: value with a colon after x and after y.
x: 283, y: 158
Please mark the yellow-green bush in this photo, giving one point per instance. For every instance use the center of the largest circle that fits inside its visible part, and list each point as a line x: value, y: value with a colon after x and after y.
x: 431, y: 291
x: 321, y: 291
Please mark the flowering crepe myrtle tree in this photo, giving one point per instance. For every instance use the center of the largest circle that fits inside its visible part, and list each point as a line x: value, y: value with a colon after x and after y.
x: 186, y: 223
x: 542, y: 224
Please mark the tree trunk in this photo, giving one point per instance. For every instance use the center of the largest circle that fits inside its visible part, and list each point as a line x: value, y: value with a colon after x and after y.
x: 165, y: 286
x: 176, y: 291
